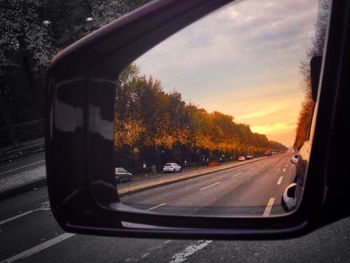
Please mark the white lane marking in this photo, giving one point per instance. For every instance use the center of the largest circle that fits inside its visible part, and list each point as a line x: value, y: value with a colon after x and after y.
x: 38, y: 248
x: 145, y: 255
x: 284, y: 170
x: 44, y: 207
x: 269, y: 207
x: 280, y: 180
x: 236, y: 174
x: 154, y: 248
x: 15, y: 217
x: 154, y: 207
x: 190, y: 250
x: 209, y: 186
x: 18, y: 168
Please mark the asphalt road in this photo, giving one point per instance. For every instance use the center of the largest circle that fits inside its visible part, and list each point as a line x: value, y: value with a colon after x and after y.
x: 29, y: 233
x: 250, y: 189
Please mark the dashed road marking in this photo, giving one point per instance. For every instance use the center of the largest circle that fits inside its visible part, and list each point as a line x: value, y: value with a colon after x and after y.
x: 44, y: 207
x: 190, y: 250
x: 209, y: 186
x: 154, y: 207
x: 15, y: 217
x: 269, y: 207
x: 284, y: 170
x: 280, y: 180
x: 39, y: 247
x: 236, y: 174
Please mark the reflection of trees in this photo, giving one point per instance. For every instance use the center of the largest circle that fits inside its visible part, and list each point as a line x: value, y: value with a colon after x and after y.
x: 161, y: 127
x: 315, y: 50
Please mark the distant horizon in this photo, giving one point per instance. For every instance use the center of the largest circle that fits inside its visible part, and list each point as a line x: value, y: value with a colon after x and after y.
x: 241, y: 65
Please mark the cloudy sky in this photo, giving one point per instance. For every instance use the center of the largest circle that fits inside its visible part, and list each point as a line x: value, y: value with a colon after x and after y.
x: 241, y: 60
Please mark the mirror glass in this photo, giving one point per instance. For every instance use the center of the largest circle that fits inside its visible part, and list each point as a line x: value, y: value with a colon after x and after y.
x: 208, y: 121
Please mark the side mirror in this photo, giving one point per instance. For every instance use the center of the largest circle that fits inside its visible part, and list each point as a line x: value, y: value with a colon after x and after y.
x: 81, y: 101
x: 295, y: 159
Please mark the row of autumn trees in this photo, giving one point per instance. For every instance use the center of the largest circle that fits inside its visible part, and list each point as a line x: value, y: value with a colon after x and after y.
x: 154, y: 127
x: 31, y: 32
x: 316, y: 49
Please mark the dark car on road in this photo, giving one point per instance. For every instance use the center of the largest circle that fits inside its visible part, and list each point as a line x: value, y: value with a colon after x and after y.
x: 249, y: 156
x: 122, y: 175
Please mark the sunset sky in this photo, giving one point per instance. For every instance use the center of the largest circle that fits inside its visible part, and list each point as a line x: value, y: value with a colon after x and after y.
x: 242, y: 60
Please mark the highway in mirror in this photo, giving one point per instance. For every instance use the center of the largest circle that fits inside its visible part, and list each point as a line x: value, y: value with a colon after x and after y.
x: 207, y: 121
x: 247, y: 188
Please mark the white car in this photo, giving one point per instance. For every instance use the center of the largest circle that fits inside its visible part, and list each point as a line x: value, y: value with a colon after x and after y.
x: 241, y: 158
x: 171, y: 167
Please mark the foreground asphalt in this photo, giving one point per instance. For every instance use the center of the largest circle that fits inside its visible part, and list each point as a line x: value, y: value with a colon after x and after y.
x: 29, y: 233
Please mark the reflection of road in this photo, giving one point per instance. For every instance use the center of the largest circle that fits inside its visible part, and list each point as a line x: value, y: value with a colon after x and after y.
x: 252, y: 189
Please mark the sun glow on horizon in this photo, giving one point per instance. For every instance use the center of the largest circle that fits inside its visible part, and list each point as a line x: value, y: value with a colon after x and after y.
x: 270, y: 109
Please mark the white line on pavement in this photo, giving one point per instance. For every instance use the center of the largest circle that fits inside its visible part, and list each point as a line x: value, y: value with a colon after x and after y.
x: 209, y: 186
x: 280, y: 180
x: 44, y: 207
x: 38, y: 248
x: 284, y: 170
x: 15, y: 217
x: 236, y: 174
x: 18, y: 168
x: 154, y: 207
x: 190, y: 250
x: 269, y: 207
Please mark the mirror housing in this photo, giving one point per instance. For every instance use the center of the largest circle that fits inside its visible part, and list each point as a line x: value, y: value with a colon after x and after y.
x: 79, y: 143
